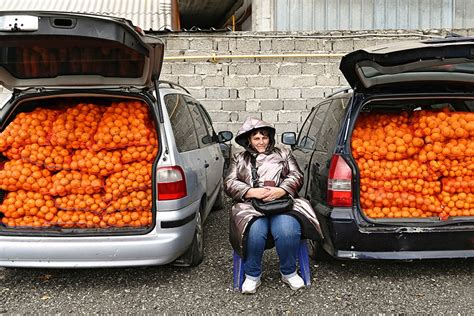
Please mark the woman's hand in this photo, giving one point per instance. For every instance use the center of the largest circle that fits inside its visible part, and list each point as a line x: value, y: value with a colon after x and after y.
x: 257, y: 193
x: 274, y: 193
x: 265, y: 193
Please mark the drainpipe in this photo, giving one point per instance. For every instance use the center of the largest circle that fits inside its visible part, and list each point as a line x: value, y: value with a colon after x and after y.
x: 175, y: 19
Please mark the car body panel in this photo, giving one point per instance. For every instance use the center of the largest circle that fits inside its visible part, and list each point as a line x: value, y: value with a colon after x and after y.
x: 405, y: 255
x: 351, y: 241
x: 160, y: 246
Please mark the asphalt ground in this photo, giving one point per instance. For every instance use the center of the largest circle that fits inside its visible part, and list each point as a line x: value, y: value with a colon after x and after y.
x: 433, y: 287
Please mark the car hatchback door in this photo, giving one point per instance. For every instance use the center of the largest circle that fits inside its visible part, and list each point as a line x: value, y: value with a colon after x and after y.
x: 54, y: 49
x: 443, y: 61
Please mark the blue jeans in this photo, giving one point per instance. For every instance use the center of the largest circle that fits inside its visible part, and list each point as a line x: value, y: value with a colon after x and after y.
x: 286, y: 232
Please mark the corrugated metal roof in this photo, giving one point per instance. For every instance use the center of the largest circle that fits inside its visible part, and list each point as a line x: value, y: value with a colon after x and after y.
x: 148, y: 14
x: 310, y: 15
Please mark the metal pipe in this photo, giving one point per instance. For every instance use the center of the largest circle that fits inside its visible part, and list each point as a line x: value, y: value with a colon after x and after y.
x: 245, y: 34
x: 215, y: 58
x: 175, y: 19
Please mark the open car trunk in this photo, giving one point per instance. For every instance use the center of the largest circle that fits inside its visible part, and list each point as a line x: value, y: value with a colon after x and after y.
x: 77, y: 164
x: 58, y: 49
x: 415, y: 158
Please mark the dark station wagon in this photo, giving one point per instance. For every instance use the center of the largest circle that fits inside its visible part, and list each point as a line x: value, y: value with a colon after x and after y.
x: 389, y: 162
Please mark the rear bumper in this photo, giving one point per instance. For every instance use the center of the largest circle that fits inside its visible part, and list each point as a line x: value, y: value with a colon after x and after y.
x: 404, y: 255
x: 347, y: 239
x: 160, y: 246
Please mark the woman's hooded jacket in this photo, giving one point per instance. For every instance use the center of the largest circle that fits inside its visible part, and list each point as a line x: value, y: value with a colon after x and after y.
x: 278, y: 165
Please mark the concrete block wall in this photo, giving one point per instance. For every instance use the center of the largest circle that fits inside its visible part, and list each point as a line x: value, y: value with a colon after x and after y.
x: 281, y: 89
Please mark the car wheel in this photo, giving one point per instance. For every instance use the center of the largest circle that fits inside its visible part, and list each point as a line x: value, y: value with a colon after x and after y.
x: 219, y: 202
x: 195, y: 253
x: 317, y: 252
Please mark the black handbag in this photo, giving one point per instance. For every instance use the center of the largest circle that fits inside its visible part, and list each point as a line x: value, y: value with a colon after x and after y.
x: 278, y: 206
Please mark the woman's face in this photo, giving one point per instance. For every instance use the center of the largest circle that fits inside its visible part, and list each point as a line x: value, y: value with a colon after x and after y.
x: 259, y: 142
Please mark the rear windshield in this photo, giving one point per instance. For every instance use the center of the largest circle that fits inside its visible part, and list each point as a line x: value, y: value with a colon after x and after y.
x: 460, y: 66
x: 387, y: 106
x: 52, y: 56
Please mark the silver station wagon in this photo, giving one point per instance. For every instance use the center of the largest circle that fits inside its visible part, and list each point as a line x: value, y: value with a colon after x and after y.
x: 102, y: 164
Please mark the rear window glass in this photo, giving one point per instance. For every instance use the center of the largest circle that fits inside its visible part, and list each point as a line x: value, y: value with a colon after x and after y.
x: 316, y: 123
x: 470, y: 105
x: 395, y: 106
x: 331, y: 125
x: 304, y: 130
x: 181, y: 123
x: 24, y: 58
x: 456, y: 66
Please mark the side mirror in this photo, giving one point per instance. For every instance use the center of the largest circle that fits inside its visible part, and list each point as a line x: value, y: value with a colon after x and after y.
x: 224, y: 136
x: 288, y: 138
x: 207, y: 139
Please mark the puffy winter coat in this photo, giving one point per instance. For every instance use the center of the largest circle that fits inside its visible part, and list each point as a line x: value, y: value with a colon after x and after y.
x: 278, y: 165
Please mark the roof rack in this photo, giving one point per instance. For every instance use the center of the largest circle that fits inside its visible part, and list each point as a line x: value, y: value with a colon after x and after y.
x: 172, y: 85
x: 341, y: 90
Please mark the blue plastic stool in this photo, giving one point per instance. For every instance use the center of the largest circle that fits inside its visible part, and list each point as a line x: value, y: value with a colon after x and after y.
x: 303, y: 260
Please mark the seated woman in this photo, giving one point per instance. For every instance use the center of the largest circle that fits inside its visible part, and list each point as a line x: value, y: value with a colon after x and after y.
x: 278, y: 175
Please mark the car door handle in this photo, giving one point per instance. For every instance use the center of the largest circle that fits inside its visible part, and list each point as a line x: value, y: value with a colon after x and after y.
x: 206, y: 165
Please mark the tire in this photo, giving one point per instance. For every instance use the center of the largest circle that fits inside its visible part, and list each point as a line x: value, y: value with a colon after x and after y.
x: 195, y: 253
x: 219, y: 202
x: 317, y: 252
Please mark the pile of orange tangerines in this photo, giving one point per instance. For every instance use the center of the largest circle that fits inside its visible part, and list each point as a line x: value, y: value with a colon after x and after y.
x: 415, y: 165
x: 79, y: 166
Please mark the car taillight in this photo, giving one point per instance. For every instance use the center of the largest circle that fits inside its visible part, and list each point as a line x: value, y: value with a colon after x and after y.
x: 170, y: 183
x: 339, y: 182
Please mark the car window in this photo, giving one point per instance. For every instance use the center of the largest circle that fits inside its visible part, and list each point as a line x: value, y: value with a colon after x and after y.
x: 208, y: 122
x: 202, y: 133
x: 181, y: 123
x: 331, y: 125
x: 303, y: 135
x: 470, y: 105
x: 315, y: 127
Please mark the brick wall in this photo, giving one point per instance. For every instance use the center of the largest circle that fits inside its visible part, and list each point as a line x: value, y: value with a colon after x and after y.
x: 279, y: 90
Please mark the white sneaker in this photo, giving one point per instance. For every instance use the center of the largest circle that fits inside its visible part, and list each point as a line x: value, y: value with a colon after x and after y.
x: 294, y: 281
x: 250, y: 285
